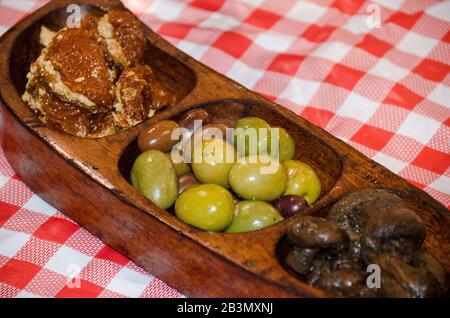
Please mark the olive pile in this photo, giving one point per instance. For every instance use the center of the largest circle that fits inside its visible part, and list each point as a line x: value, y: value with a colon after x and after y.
x: 205, y: 191
x: 366, y: 227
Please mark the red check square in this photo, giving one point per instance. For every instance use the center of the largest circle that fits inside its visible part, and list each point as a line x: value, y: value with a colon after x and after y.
x: 18, y: 273
x: 403, y: 97
x: 446, y: 38
x: 272, y: 98
x: 320, y: 117
x: 111, y: 255
x: 6, y: 211
x: 286, y: 63
x: 209, y: 5
x: 343, y: 76
x: 85, y: 290
x: 372, y: 137
x: 176, y: 30
x: 404, y: 19
x: 263, y: 19
x: 374, y: 46
x: 432, y: 70
x: 56, y: 230
x: 415, y: 183
x: 348, y: 6
x: 433, y: 160
x: 447, y: 122
x: 316, y: 33
x: 232, y: 43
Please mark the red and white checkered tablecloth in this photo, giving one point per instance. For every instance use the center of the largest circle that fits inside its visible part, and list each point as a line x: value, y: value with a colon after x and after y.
x: 382, y: 87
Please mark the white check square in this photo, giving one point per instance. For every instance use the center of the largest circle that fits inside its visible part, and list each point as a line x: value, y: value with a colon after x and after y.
x: 388, y: 70
x: 275, y: 42
x: 3, y: 180
x: 300, y: 91
x: 219, y: 21
x: 441, y: 184
x: 24, y: 294
x: 391, y: 4
x: 306, y: 11
x: 357, y: 24
x: 357, y: 107
x: 389, y: 162
x: 253, y: 3
x: 418, y: 127
x: 417, y: 44
x: 440, y: 10
x: 129, y: 283
x: 11, y: 242
x: 68, y: 262
x: 244, y: 74
x: 22, y: 5
x: 36, y: 204
x: 333, y: 51
x: 166, y: 10
x: 3, y: 30
x: 193, y: 49
x: 440, y: 95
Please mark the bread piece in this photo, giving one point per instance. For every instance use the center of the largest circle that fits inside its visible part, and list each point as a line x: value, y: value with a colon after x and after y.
x: 133, y: 96
x: 81, y: 86
x: 123, y: 36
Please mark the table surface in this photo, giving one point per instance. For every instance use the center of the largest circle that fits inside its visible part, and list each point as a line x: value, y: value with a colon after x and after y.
x: 374, y: 74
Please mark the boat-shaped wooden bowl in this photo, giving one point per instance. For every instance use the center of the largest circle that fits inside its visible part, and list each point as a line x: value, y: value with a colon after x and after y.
x: 87, y: 179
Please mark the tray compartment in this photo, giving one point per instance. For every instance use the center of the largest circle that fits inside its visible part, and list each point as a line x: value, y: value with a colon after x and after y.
x: 175, y: 77
x: 309, y: 149
x: 436, y: 241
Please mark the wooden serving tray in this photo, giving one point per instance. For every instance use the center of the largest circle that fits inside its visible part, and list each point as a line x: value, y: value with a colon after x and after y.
x: 87, y: 178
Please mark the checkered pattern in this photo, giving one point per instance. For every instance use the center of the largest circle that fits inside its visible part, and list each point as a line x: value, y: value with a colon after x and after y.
x: 385, y: 90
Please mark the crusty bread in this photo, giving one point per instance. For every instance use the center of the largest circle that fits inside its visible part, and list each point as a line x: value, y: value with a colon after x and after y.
x: 90, y: 81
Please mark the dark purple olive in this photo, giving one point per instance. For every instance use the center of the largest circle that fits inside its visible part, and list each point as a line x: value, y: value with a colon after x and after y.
x: 290, y: 205
x: 186, y: 181
x: 187, y: 120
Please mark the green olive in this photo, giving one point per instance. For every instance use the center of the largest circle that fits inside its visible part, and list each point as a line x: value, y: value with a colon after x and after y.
x: 253, y: 215
x: 154, y: 175
x: 206, y: 206
x: 286, y: 145
x: 258, y: 178
x: 180, y: 167
x: 212, y: 161
x: 303, y: 181
x: 252, y: 136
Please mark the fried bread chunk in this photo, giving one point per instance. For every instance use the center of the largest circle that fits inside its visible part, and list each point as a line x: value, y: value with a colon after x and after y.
x: 74, y: 69
x: 123, y: 36
x: 66, y: 116
x: 133, y: 96
x: 81, y: 85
